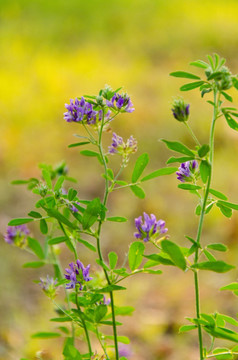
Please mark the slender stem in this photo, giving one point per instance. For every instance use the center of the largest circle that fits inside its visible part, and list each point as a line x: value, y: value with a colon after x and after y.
x: 73, y: 248
x: 84, y: 324
x: 192, y: 133
x: 106, y: 193
x: 101, y: 343
x: 201, y: 220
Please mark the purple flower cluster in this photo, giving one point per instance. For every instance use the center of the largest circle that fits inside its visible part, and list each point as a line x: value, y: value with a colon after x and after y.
x: 180, y: 110
x: 186, y: 171
x: 122, y: 148
x: 16, y: 234
x: 77, y: 274
x: 82, y: 111
x: 121, y: 103
x: 150, y: 227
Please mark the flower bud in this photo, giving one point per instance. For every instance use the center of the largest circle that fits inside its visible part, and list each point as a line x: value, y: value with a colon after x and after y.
x: 180, y: 110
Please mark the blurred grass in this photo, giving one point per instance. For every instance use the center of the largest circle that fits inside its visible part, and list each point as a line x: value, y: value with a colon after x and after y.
x: 54, y: 51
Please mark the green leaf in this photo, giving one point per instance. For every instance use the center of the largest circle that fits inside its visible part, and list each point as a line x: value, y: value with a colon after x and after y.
x: 229, y: 319
x: 140, y: 165
x: 33, y: 264
x: 227, y: 356
x: 135, y: 256
x: 186, y: 328
x: 110, y: 288
x: 222, y: 333
x: 179, y: 159
x: 205, y: 170
x: 217, y: 247
x: 233, y: 287
x: 153, y: 272
x: 199, y: 63
x: 91, y: 213
x: 57, y: 240
x: 61, y: 319
x: 100, y: 312
x: 124, y: 310
x: 61, y: 218
x: 19, y: 221
x: 35, y: 214
x: 178, y: 147
x: 203, y: 150
x: 218, y: 194
x: 209, y: 256
x: 138, y: 191
x: 184, y: 74
x: 122, y: 339
x: 102, y: 264
x: 160, y: 172
x: 79, y: 144
x: 160, y: 259
x: 45, y: 335
x: 43, y: 226
x: 87, y: 244
x: 216, y: 266
x: 228, y: 204
x: 117, y: 219
x: 89, y: 153
x: 235, y: 82
x: 189, y: 187
x: 198, y: 210
x: 47, y: 177
x: 72, y: 193
x: 174, y: 253
x: 35, y: 246
x: 112, y: 256
x: 191, y: 86
x: 225, y: 210
x: 59, y: 183
x: 231, y: 122
x: 226, y: 96
x: 19, y: 182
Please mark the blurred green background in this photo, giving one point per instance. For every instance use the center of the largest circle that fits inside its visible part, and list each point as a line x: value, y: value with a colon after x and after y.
x: 52, y: 51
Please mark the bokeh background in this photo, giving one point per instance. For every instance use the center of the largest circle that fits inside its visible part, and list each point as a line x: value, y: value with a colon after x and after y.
x: 52, y: 51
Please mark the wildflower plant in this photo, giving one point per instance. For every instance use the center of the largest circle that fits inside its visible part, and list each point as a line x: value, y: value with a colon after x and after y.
x: 64, y: 217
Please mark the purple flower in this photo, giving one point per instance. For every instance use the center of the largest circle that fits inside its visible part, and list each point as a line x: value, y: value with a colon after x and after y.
x: 150, y: 227
x: 187, y: 170
x: 118, y: 146
x: 180, y: 110
x: 74, y: 208
x: 82, y: 111
x: 124, y: 350
x: 106, y: 301
x: 121, y: 103
x: 16, y: 234
x: 117, y: 142
x: 49, y: 286
x: 77, y: 274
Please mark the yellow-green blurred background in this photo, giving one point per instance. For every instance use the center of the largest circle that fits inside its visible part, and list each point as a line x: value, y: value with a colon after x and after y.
x: 51, y: 51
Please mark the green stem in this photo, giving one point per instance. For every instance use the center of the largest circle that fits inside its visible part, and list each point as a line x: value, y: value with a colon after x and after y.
x: 192, y: 133
x: 106, y: 193
x: 101, y: 343
x: 70, y: 243
x: 84, y: 324
x: 201, y: 220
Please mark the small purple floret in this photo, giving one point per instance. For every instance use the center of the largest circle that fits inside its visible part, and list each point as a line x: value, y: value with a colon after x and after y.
x: 150, y: 227
x: 16, y: 231
x: 77, y: 274
x: 186, y: 170
x: 121, y: 103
